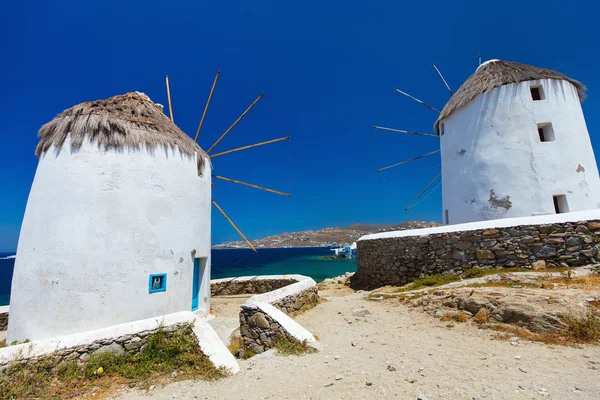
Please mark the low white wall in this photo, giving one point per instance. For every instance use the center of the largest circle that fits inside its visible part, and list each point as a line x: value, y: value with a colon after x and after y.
x: 97, y: 224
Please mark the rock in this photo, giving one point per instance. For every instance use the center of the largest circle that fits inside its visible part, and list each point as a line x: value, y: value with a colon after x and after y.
x: 574, y: 241
x: 328, y: 384
x: 544, y: 251
x: 336, y: 357
x: 174, y: 374
x: 421, y: 397
x: 259, y: 320
x: 339, y: 378
x: 411, y: 380
x: 151, y: 388
x: 368, y: 383
x: 391, y: 368
x: 537, y: 265
x: 84, y: 357
x: 360, y: 312
x: 485, y: 254
x: 113, y: 348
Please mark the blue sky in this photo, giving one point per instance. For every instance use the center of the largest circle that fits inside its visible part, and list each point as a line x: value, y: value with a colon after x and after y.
x: 328, y: 72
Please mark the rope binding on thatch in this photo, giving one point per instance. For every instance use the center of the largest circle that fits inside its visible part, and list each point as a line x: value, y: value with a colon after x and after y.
x: 127, y: 120
x: 496, y: 73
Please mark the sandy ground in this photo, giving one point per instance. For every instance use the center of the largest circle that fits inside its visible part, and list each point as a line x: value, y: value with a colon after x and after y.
x: 396, y: 352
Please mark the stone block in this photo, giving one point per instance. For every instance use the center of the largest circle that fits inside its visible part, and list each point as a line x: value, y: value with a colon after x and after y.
x: 484, y: 254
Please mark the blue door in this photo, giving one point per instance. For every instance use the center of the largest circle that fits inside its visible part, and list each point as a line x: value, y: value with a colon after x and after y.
x: 196, y: 284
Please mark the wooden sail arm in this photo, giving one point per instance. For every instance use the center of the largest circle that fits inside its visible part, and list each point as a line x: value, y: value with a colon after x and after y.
x: 407, y: 161
x: 252, y: 186
x: 207, y: 104
x: 234, y: 227
x: 403, y: 131
x: 235, y: 123
x: 422, y: 192
x: 443, y: 80
x: 417, y: 100
x: 169, y: 98
x: 250, y: 146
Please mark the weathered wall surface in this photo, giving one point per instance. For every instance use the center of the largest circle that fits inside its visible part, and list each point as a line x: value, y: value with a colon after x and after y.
x: 97, y: 224
x: 399, y: 260
x: 494, y: 164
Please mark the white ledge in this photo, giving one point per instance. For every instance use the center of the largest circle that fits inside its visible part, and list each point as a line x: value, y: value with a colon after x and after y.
x: 580, y: 216
x: 41, y: 347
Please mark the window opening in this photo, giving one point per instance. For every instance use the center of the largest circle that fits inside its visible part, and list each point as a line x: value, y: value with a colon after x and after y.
x: 537, y: 93
x: 560, y: 204
x: 546, y: 132
x: 157, y: 283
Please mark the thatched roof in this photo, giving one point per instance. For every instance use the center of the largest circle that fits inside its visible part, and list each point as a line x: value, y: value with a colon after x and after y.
x: 127, y: 120
x: 496, y: 73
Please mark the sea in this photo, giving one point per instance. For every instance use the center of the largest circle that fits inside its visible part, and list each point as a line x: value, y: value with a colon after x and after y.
x: 227, y: 263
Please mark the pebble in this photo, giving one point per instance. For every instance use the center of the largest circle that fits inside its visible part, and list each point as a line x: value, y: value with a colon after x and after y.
x: 151, y: 388
x: 336, y: 357
x: 339, y: 378
x: 391, y: 368
x: 329, y: 384
x: 421, y: 397
x: 517, y: 357
x: 522, y: 370
x: 368, y: 383
x: 411, y: 380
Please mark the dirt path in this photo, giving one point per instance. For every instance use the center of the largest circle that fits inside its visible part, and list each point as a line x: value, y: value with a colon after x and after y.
x: 396, y: 352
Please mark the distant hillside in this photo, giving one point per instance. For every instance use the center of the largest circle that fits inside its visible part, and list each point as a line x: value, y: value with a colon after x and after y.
x: 327, y: 236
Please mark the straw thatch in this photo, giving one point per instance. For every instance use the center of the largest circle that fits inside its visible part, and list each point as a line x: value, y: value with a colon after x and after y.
x: 128, y: 120
x: 496, y: 73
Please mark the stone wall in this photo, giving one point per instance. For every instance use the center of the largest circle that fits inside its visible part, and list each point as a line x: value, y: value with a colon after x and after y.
x: 127, y: 344
x: 3, y: 321
x: 300, y: 301
x: 256, y: 285
x: 399, y: 260
x: 264, y: 317
x: 259, y: 330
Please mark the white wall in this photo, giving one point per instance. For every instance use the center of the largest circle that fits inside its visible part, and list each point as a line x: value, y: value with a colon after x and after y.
x: 97, y: 223
x: 493, y: 144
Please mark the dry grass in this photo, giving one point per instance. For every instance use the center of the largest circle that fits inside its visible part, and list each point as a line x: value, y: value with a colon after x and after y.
x: 106, y: 372
x: 590, y: 282
x: 288, y: 346
x: 506, y: 284
x: 578, y: 330
x: 482, y: 316
x: 235, y: 345
x: 460, y: 316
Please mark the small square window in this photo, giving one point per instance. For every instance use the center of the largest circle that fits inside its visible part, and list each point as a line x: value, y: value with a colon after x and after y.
x: 537, y: 93
x: 157, y: 283
x: 560, y: 204
x: 546, y: 132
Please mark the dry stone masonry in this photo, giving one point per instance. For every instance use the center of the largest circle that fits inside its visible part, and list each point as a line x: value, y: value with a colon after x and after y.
x: 127, y: 344
x: 264, y: 317
x: 3, y: 321
x: 399, y: 260
x: 229, y: 287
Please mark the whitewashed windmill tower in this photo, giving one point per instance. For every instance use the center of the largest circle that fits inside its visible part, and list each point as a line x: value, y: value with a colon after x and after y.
x: 514, y: 143
x: 117, y: 226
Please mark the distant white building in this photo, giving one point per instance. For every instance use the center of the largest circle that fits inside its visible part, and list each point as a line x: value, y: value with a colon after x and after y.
x: 117, y: 224
x: 514, y: 143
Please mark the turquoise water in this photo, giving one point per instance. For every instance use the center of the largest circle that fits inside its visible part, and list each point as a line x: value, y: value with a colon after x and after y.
x: 240, y: 262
